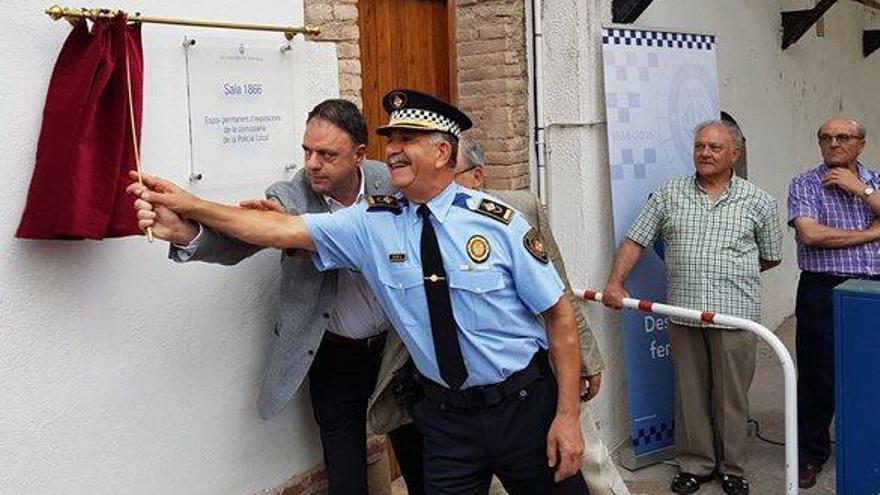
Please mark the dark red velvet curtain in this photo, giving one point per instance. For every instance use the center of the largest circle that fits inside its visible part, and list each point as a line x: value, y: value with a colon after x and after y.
x: 86, y: 144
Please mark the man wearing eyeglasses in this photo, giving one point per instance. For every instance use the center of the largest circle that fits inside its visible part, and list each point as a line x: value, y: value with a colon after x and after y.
x: 834, y: 209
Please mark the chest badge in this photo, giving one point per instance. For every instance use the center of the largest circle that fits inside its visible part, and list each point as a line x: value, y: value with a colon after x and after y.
x: 397, y: 257
x: 478, y: 248
x: 535, y: 245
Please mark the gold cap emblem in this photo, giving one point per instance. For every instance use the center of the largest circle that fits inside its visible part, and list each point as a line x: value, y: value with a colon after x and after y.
x: 398, y: 100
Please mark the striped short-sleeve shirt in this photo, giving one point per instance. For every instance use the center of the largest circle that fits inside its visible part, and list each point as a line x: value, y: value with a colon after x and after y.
x: 712, y: 251
x: 833, y: 207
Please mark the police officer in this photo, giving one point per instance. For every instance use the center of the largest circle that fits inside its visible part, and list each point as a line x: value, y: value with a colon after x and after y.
x: 469, y: 288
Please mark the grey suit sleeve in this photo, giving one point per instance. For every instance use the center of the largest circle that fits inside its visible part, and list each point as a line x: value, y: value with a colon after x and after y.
x: 217, y: 247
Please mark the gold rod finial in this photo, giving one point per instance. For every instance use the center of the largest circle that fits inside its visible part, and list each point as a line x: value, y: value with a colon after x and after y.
x: 73, y: 14
x: 55, y: 12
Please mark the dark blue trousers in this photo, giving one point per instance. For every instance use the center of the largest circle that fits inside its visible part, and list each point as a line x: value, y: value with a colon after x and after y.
x: 407, y: 443
x: 815, y: 363
x: 464, y: 448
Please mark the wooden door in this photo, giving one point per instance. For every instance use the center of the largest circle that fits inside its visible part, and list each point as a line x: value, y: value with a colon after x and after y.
x: 405, y: 44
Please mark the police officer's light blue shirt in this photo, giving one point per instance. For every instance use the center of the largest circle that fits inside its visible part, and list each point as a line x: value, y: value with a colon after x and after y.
x: 495, y: 303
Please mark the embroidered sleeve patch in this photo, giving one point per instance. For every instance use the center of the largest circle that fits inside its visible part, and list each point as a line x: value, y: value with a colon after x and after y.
x: 535, y: 245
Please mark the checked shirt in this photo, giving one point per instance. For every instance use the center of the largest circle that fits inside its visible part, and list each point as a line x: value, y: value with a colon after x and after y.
x: 835, y: 208
x: 712, y: 251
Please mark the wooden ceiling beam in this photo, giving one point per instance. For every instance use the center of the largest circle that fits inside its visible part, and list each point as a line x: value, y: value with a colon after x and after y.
x: 627, y: 11
x: 796, y: 22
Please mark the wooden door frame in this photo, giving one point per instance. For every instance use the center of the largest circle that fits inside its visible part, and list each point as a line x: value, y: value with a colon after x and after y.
x: 452, y: 36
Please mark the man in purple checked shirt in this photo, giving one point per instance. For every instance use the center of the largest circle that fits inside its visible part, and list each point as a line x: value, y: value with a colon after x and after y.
x: 836, y: 212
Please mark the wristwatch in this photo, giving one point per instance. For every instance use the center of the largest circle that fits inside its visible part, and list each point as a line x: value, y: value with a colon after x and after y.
x: 867, y: 192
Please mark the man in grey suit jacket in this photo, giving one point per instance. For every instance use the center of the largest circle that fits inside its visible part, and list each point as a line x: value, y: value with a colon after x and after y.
x: 329, y: 324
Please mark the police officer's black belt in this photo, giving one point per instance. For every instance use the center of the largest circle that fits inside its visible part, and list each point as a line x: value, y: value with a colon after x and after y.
x: 486, y: 396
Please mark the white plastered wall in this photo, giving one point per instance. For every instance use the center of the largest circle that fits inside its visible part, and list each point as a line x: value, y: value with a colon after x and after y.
x: 120, y: 371
x: 779, y: 98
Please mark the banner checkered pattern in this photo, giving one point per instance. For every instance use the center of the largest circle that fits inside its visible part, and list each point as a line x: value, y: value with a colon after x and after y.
x: 661, y: 433
x: 637, y: 37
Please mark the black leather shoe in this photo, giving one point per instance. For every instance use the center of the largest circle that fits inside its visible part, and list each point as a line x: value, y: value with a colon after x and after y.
x: 687, y: 483
x: 734, y: 485
x: 807, y: 475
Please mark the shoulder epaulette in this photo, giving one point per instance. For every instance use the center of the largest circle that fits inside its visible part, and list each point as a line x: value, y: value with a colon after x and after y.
x: 383, y: 202
x: 495, y: 211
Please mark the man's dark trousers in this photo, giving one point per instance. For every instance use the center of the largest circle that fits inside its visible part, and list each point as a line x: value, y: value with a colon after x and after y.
x: 341, y: 379
x: 815, y: 359
x: 463, y: 448
x: 407, y: 443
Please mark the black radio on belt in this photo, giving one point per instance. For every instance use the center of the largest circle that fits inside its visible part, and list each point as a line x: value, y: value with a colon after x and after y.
x: 405, y: 386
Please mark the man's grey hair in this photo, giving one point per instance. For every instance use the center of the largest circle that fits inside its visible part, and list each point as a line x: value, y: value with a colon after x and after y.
x: 736, y: 135
x: 861, y: 131
x: 474, y: 154
x: 441, y: 137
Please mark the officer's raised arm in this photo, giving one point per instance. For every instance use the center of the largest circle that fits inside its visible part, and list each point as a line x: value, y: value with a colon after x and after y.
x: 262, y: 228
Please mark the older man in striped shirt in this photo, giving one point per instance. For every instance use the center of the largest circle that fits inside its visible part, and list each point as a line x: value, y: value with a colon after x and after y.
x: 836, y: 214
x: 719, y: 232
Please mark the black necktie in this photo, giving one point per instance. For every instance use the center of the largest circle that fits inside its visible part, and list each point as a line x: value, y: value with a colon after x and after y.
x: 443, y: 327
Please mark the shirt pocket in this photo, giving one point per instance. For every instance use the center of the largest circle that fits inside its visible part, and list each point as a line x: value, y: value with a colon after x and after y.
x: 479, y: 300
x: 404, y: 286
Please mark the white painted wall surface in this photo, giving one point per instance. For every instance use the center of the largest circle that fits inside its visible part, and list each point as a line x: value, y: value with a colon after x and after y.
x: 120, y: 371
x: 779, y: 98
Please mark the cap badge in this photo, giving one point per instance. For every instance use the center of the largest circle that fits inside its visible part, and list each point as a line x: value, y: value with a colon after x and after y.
x: 398, y: 100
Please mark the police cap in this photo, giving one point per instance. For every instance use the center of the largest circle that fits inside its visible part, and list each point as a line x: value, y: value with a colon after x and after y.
x: 411, y: 109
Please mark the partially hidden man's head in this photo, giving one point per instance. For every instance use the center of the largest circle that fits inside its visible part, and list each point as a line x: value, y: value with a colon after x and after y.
x: 469, y: 166
x: 334, y: 144
x: 718, y: 144
x: 841, y: 141
x: 423, y: 134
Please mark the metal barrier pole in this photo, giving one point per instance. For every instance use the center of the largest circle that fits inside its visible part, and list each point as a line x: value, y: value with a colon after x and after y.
x: 788, y: 369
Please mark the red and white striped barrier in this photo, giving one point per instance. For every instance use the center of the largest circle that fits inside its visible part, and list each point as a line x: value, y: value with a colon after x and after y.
x: 788, y: 369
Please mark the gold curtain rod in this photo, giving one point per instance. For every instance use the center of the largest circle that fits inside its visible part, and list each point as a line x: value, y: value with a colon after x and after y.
x: 72, y: 14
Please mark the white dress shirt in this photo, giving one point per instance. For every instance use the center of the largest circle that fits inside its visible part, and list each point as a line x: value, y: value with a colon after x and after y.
x: 356, y: 314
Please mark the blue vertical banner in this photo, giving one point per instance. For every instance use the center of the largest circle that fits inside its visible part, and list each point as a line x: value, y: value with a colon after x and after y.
x: 658, y: 87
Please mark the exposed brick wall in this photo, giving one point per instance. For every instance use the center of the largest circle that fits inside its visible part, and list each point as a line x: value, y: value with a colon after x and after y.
x: 493, y: 85
x: 338, y: 20
x: 492, y: 75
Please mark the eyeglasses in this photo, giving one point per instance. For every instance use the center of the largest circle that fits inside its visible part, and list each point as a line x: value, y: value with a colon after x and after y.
x: 469, y: 169
x: 840, y: 138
